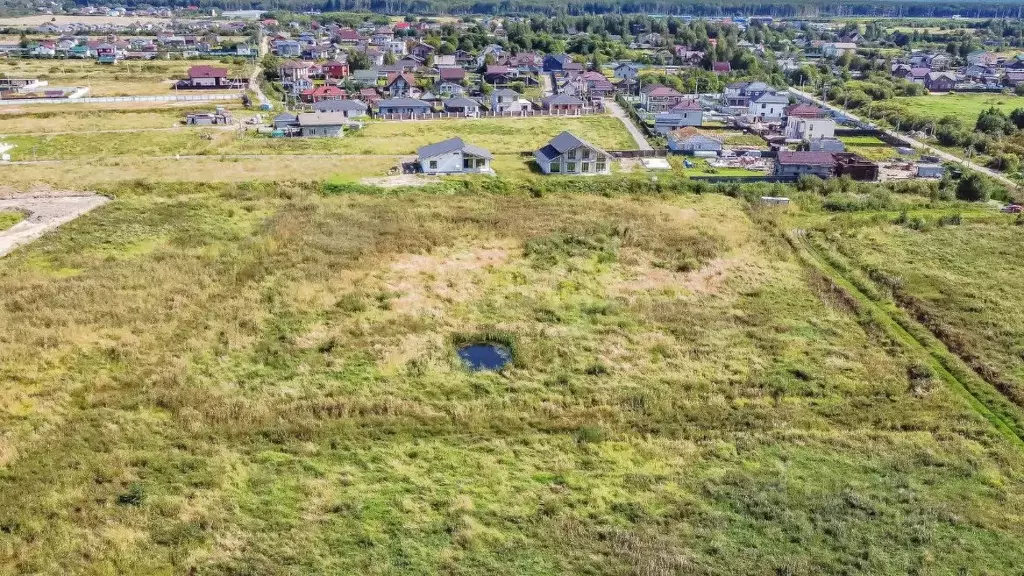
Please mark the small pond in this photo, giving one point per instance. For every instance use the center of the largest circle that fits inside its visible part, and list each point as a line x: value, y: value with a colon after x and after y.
x: 485, y: 356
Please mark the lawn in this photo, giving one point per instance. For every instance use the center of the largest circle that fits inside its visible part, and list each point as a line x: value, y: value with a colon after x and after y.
x: 8, y: 219
x: 500, y: 136
x: 127, y: 78
x: 965, y: 106
x: 224, y: 379
x: 870, y: 147
x: 964, y: 278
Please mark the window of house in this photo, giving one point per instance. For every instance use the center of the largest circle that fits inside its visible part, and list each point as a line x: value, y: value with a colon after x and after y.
x: 480, y: 162
x: 570, y: 167
x: 433, y: 164
x: 600, y: 166
x: 467, y: 163
x: 763, y: 106
x: 556, y: 167
x: 572, y: 154
x: 586, y: 154
x: 585, y: 167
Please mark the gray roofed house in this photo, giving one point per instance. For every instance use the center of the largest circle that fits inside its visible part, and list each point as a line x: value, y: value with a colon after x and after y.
x: 284, y: 120
x: 350, y: 108
x: 453, y: 156
x: 569, y: 154
x: 403, y: 106
x: 319, y: 124
x: 562, y: 103
x: 768, y: 106
x: 462, y: 105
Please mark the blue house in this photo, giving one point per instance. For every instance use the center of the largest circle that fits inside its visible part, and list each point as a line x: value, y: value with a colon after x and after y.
x: 556, y: 62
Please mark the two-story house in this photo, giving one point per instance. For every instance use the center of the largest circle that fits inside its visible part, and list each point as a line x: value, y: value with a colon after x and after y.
x: 569, y: 154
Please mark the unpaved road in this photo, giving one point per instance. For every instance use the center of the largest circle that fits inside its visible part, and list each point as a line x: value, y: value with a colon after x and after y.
x: 638, y: 136
x: 45, y: 212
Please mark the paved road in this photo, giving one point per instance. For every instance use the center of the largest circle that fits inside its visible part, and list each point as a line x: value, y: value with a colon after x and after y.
x: 44, y: 213
x: 545, y: 84
x: 913, y: 142
x: 638, y: 136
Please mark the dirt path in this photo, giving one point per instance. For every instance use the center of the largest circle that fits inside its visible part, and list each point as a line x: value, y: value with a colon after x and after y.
x: 45, y: 212
x: 638, y: 136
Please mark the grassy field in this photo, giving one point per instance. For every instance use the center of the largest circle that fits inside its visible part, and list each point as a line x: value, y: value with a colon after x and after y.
x: 8, y: 219
x: 869, y: 147
x: 963, y: 278
x: 254, y: 378
x: 376, y: 138
x: 29, y: 120
x: 128, y: 78
x: 964, y: 106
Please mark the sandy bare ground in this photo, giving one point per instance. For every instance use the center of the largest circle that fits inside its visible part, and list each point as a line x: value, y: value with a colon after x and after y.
x: 46, y: 210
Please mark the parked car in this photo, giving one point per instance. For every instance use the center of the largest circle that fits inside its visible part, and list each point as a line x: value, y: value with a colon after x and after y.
x: 1012, y: 209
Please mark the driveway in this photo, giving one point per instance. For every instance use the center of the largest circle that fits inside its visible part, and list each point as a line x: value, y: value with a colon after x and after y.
x: 913, y: 142
x: 638, y: 136
x: 45, y: 212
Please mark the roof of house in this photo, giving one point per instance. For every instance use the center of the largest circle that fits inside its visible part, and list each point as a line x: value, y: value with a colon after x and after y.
x: 498, y: 69
x: 321, y: 119
x: 771, y: 98
x: 806, y: 158
x: 325, y: 90
x: 688, y: 104
x: 805, y: 111
x: 721, y: 67
x: 207, y: 72
x: 403, y: 103
x: 460, y: 102
x: 659, y: 91
x: 451, y: 73
x: 339, y: 106
x: 505, y: 92
x: 937, y: 75
x: 451, y: 145
x: 564, y: 142
x: 394, y: 76
x: 284, y: 117
x: 295, y: 65
x: 919, y: 72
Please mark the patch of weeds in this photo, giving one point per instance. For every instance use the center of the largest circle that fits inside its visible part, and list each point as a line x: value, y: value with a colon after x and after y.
x: 551, y: 250
x: 351, y: 302
x: 589, y: 435
x: 135, y: 495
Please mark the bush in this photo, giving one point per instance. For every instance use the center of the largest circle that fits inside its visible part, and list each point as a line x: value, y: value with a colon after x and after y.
x: 973, y: 188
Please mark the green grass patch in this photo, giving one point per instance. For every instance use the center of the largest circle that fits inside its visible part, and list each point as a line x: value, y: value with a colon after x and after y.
x: 9, y: 218
x: 966, y: 106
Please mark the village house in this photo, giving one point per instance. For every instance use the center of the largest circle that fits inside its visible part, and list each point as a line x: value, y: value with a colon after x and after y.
x: 809, y: 128
x: 402, y: 86
x: 335, y: 69
x: 690, y: 140
x: 721, y: 67
x: 562, y: 104
x: 504, y: 100
x: 940, y: 81
x: 768, y: 107
x: 321, y: 124
x: 658, y: 98
x: 739, y: 94
x: 403, y: 106
x: 462, y: 105
x: 569, y: 154
x: 686, y: 113
x: 207, y: 77
x: 294, y: 73
x: 218, y: 117
x: 795, y: 164
x: 837, y: 49
x: 626, y: 71
x: 321, y: 93
x: 350, y: 108
x: 453, y: 156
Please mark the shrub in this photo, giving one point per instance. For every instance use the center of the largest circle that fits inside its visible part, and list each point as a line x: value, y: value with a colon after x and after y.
x: 973, y: 188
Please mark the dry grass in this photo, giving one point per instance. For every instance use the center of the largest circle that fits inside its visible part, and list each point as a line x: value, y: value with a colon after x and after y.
x: 232, y: 379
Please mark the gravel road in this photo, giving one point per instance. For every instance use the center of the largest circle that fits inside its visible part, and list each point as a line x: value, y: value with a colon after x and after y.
x: 45, y: 212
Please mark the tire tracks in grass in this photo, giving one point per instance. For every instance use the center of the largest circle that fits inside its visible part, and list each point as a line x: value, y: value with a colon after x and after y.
x: 981, y: 395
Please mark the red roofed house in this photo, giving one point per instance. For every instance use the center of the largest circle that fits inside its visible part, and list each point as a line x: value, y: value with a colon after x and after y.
x: 804, y: 111
x: 321, y: 93
x: 721, y: 67
x: 207, y: 76
x: 335, y: 69
x: 656, y: 98
x: 792, y: 164
x: 402, y: 85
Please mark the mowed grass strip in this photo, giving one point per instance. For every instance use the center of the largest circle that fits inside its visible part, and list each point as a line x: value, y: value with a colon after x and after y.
x: 233, y: 378
x: 9, y: 218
